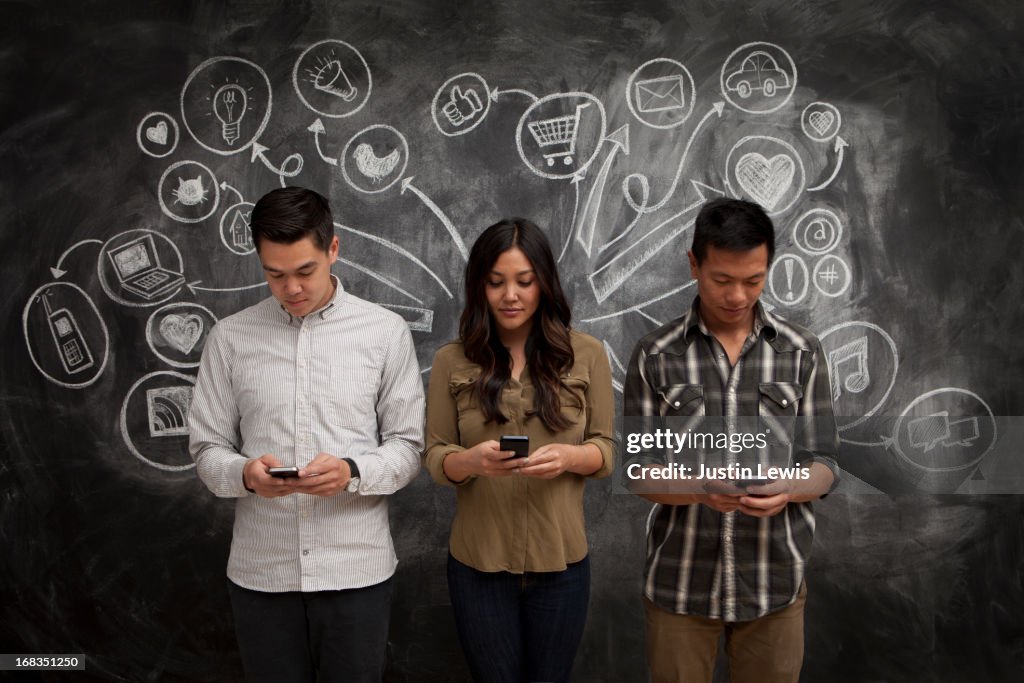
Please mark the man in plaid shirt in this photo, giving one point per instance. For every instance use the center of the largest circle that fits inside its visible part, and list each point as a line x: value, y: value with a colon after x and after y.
x: 730, y: 558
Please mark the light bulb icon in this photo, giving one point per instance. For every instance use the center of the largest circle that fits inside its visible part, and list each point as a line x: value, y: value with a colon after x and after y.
x: 229, y: 104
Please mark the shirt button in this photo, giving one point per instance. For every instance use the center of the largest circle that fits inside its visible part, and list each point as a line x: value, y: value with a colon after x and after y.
x: 305, y: 552
x: 676, y: 404
x: 785, y: 402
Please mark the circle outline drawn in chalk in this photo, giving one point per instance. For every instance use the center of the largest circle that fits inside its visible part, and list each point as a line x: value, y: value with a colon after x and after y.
x: 143, y: 131
x: 767, y: 63
x: 848, y: 277
x: 822, y: 108
x: 898, y: 428
x: 214, y: 185
x: 661, y: 89
x: 151, y: 331
x: 266, y: 115
x: 338, y: 93
x: 40, y: 292
x: 806, y: 221
x: 806, y: 279
x: 446, y: 91
x: 854, y: 324
x: 797, y: 184
x: 223, y: 237
x: 402, y: 147
x: 123, y: 422
x: 561, y: 133
x: 104, y: 261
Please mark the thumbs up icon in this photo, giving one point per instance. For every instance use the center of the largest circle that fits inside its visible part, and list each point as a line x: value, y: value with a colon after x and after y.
x: 461, y: 106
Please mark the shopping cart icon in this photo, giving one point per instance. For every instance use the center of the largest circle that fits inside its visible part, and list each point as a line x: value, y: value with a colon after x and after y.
x: 560, y: 130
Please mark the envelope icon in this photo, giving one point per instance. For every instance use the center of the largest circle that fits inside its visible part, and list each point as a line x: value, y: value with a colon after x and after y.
x: 660, y: 94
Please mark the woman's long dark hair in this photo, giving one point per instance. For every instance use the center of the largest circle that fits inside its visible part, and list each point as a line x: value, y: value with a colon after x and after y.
x: 548, y: 348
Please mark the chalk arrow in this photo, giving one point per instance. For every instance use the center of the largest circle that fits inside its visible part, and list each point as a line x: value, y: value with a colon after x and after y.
x: 225, y: 187
x: 57, y: 271
x: 317, y: 129
x: 612, y: 275
x: 840, y: 145
x: 619, y: 140
x: 445, y: 221
x: 495, y: 92
x: 716, y: 110
x: 258, y: 152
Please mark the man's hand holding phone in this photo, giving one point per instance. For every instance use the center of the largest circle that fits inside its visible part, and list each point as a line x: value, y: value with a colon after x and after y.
x: 325, y: 475
x: 258, y: 478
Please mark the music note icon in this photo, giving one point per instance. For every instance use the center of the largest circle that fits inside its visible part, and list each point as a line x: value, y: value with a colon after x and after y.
x: 857, y: 378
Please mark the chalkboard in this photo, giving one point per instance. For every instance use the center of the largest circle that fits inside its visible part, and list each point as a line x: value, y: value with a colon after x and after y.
x: 882, y: 137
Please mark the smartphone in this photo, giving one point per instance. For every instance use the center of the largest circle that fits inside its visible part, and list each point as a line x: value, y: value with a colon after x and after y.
x: 283, y: 472
x: 753, y: 481
x: 519, y: 444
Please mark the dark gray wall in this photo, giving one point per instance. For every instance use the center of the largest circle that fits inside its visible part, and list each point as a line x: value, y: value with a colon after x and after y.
x: 111, y: 546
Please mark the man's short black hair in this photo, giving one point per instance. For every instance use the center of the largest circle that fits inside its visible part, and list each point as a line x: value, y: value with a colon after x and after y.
x: 732, y: 224
x: 289, y: 214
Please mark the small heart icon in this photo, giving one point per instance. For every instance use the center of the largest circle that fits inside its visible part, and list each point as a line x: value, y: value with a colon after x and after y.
x: 821, y: 121
x: 182, y: 331
x: 157, y: 133
x: 766, y: 180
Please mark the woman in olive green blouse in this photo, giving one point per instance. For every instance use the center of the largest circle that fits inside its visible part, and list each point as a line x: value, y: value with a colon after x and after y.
x: 518, y: 571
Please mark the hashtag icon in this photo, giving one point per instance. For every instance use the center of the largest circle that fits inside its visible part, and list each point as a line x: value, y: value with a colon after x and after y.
x: 829, y: 275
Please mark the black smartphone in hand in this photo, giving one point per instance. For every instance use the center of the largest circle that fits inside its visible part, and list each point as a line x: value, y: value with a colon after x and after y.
x: 518, y: 444
x: 753, y: 481
x: 283, y: 472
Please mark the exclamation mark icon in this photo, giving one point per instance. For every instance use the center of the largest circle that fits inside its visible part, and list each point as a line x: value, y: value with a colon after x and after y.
x: 789, y: 280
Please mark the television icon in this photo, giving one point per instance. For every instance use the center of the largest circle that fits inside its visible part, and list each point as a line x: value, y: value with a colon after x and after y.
x: 138, y: 269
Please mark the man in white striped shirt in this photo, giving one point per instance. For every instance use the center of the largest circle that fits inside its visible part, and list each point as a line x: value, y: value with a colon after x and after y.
x: 316, y: 379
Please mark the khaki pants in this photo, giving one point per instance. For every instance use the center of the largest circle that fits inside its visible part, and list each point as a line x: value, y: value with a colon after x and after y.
x: 682, y: 648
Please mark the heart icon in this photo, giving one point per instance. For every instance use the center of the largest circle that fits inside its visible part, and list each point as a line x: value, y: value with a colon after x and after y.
x: 766, y: 180
x: 821, y: 121
x: 182, y: 331
x: 157, y: 133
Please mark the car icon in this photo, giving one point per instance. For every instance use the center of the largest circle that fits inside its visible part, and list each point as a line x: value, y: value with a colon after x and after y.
x: 759, y: 71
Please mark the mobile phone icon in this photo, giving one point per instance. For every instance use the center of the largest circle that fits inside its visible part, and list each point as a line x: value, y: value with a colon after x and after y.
x: 71, y: 347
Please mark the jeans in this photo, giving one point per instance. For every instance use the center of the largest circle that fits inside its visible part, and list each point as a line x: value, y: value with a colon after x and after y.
x: 518, y: 628
x: 323, y: 636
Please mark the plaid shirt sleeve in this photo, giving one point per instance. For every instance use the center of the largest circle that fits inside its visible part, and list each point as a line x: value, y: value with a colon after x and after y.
x: 818, y: 436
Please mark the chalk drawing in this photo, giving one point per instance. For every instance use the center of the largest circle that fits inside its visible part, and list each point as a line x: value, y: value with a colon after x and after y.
x: 460, y: 104
x: 154, y: 420
x: 374, y: 159
x: 332, y: 79
x: 188, y: 192
x: 226, y: 104
x: 853, y: 408
x: 555, y: 124
x: 67, y: 339
x: 758, y: 78
x: 660, y: 93
x: 140, y: 268
x: 765, y: 170
x: 157, y: 134
x: 176, y: 333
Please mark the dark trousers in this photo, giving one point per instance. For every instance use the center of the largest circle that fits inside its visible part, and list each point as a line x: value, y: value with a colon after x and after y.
x: 323, y: 636
x: 519, y: 627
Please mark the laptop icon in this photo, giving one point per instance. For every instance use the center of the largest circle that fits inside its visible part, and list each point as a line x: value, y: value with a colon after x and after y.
x: 138, y: 268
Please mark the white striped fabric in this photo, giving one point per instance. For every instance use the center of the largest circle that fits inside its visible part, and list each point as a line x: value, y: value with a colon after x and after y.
x: 344, y: 380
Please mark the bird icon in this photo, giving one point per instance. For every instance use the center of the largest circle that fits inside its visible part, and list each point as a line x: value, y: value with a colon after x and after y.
x: 374, y: 167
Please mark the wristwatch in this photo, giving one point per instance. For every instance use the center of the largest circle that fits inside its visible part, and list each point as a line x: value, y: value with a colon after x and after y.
x: 353, y: 482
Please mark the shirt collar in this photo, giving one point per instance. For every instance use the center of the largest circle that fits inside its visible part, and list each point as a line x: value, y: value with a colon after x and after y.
x: 323, y: 313
x: 763, y: 322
